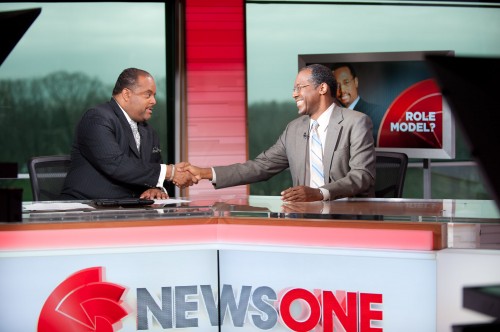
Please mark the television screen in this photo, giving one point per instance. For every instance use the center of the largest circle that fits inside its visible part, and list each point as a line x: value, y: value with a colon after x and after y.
x: 397, y: 90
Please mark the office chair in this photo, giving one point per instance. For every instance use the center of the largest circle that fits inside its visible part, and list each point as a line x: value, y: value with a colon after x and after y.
x: 47, y: 174
x: 390, y: 174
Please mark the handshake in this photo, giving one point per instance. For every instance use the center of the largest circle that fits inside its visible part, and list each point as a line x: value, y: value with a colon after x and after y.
x: 185, y: 174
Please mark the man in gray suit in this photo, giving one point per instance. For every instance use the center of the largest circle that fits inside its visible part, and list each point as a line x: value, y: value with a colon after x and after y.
x: 116, y: 153
x: 347, y: 143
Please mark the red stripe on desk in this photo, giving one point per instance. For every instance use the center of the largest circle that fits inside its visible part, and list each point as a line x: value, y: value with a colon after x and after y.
x: 221, y: 233
x: 328, y: 237
x: 107, y: 237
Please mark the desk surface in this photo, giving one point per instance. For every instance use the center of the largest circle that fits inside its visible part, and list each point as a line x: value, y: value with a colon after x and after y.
x: 452, y: 223
x: 411, y: 210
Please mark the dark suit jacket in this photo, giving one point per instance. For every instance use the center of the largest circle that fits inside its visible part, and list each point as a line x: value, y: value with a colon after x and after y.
x: 349, y: 157
x: 374, y: 111
x: 105, y: 162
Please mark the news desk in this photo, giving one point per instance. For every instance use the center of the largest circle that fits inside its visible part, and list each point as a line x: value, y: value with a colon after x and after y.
x: 249, y: 264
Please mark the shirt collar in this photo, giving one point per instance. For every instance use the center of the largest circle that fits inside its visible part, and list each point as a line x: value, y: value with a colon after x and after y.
x: 354, y: 103
x: 324, y: 118
x: 129, y: 120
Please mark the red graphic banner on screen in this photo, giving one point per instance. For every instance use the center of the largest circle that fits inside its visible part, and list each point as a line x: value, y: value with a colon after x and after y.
x: 83, y: 302
x: 414, y: 119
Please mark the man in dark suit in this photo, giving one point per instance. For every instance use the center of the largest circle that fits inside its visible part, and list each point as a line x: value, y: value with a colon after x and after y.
x: 348, y: 155
x: 347, y: 94
x: 106, y: 159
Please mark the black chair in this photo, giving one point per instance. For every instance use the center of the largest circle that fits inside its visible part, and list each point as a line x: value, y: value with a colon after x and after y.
x: 390, y: 174
x: 47, y: 174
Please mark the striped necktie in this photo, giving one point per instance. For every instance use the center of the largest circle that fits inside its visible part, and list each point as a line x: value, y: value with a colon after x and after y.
x: 316, y: 155
x: 137, y: 136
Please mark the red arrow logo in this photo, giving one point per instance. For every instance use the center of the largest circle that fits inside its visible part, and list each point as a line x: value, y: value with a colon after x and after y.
x: 83, y: 302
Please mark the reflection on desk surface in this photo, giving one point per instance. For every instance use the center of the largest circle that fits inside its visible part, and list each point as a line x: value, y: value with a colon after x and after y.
x: 393, y: 208
x: 420, y: 210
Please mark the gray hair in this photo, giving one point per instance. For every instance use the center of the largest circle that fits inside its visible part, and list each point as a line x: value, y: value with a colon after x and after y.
x: 322, y: 74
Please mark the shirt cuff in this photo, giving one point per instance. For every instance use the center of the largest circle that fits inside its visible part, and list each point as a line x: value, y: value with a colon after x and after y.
x: 163, y: 173
x: 326, y: 194
x: 214, y: 177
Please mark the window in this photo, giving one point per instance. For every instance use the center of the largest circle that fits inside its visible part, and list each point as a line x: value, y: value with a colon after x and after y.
x: 68, y: 61
x: 278, y: 32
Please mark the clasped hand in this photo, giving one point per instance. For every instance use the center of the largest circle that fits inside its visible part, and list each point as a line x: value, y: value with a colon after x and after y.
x: 197, y: 173
x: 183, y: 178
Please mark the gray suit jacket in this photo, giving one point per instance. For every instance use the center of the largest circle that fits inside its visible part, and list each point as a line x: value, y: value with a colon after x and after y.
x: 105, y: 162
x: 349, y: 157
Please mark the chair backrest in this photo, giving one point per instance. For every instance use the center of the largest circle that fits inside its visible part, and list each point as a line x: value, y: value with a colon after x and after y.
x: 47, y: 175
x: 390, y: 174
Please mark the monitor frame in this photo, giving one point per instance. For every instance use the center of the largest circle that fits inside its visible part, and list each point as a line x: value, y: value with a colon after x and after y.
x: 447, y: 151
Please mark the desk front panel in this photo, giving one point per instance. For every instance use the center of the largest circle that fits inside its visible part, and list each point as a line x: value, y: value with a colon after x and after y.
x: 174, y: 271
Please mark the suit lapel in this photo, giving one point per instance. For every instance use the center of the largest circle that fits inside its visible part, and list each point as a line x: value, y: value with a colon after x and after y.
x: 302, y: 143
x: 145, y: 142
x: 332, y: 140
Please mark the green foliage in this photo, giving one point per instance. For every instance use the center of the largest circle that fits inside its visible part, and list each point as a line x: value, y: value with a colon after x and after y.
x: 266, y: 122
x: 38, y: 115
x: 159, y: 119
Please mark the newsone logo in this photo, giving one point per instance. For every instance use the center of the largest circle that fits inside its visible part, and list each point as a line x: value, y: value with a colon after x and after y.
x: 85, y: 302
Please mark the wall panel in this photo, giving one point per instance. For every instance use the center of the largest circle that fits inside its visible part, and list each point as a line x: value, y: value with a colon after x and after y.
x: 216, y: 88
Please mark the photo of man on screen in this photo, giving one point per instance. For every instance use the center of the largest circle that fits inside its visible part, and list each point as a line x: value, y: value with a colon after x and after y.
x: 348, y: 96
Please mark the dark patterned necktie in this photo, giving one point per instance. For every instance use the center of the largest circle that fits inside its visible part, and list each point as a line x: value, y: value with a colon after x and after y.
x: 137, y: 136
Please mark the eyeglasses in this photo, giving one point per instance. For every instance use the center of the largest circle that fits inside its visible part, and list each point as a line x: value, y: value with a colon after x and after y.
x: 346, y: 83
x: 296, y: 89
